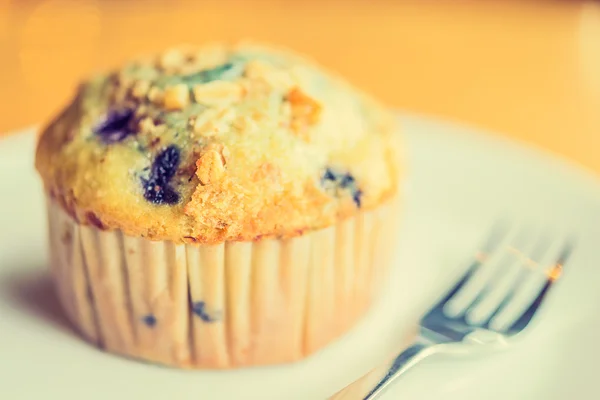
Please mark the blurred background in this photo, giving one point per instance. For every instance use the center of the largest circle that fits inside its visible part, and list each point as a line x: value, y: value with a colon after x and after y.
x: 527, y: 69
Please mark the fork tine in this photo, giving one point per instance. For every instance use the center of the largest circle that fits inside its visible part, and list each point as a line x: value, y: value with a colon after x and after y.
x: 488, y: 245
x: 553, y: 275
x: 497, y: 232
x: 506, y: 293
x: 566, y: 253
x: 488, y: 256
x: 527, y: 316
x: 461, y: 282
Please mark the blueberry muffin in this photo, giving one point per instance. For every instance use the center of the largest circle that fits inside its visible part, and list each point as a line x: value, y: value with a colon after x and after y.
x: 219, y: 206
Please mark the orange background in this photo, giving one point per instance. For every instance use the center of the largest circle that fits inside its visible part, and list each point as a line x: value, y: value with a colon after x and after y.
x: 526, y: 69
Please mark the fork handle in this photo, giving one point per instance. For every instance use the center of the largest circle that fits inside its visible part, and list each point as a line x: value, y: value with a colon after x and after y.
x: 405, y: 361
x: 480, y: 339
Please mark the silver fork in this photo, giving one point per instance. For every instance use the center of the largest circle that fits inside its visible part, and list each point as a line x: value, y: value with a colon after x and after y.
x: 494, y: 300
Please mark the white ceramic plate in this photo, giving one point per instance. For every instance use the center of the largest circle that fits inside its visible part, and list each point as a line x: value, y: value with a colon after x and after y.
x: 460, y: 182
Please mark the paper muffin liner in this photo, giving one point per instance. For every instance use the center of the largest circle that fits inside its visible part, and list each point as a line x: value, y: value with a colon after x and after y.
x: 219, y: 306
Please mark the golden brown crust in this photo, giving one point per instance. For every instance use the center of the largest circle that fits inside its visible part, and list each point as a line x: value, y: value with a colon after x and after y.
x: 221, y: 142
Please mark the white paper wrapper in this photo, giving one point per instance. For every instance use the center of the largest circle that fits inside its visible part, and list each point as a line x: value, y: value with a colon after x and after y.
x: 223, y: 306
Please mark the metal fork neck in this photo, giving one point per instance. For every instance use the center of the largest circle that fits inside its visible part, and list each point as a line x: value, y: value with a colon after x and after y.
x: 406, y: 360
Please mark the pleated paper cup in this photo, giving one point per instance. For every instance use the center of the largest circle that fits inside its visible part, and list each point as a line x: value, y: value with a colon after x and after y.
x: 219, y: 306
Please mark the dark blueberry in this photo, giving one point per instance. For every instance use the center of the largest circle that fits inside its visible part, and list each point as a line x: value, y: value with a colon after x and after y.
x: 160, y: 194
x: 207, y: 75
x: 199, y: 308
x: 357, y: 196
x: 115, y: 126
x: 329, y: 175
x: 165, y: 165
x: 157, y: 189
x: 347, y: 181
x: 150, y: 320
x: 338, y: 182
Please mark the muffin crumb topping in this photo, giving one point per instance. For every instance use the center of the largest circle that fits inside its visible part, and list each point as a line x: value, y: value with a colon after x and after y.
x: 222, y: 142
x: 212, y: 122
x: 140, y: 88
x: 211, y: 167
x: 305, y: 111
x: 176, y: 97
x: 218, y: 93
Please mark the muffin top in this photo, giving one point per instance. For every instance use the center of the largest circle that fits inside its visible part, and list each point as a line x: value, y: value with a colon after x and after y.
x: 219, y: 142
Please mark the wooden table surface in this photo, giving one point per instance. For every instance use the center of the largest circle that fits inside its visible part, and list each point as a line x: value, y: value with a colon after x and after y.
x: 529, y: 70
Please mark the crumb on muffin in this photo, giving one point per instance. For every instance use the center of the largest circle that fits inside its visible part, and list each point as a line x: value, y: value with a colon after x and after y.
x: 219, y: 142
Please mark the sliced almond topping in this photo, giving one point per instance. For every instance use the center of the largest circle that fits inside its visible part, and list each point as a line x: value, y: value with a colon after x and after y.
x: 140, y: 89
x: 146, y: 125
x: 212, y: 122
x: 176, y: 97
x: 210, y: 166
x: 257, y: 69
x: 255, y: 88
x: 276, y: 78
x: 156, y: 95
x: 303, y: 106
x: 305, y: 111
x: 218, y: 93
x: 245, y: 124
x: 205, y: 128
